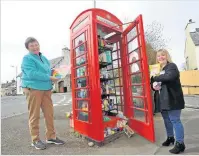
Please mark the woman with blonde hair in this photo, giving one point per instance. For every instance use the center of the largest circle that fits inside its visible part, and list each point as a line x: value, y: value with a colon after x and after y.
x: 170, y: 100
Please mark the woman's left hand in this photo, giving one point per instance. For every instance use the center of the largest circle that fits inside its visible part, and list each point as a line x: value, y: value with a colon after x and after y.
x: 156, y: 86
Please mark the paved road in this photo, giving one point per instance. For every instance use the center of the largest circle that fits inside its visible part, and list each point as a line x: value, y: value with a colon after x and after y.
x: 16, y: 105
x: 15, y: 138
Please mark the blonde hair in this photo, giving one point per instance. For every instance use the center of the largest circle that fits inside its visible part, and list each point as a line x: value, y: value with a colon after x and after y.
x: 168, y: 56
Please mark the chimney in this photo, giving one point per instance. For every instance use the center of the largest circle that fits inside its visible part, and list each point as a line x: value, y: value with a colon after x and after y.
x: 66, y: 54
x: 190, y: 27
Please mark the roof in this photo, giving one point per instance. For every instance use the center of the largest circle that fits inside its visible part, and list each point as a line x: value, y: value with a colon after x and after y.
x: 53, y: 63
x: 6, y: 85
x: 94, y: 10
x: 195, y: 37
x: 19, y: 75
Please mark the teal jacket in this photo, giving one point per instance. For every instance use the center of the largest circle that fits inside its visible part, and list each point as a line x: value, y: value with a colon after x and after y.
x: 36, y: 72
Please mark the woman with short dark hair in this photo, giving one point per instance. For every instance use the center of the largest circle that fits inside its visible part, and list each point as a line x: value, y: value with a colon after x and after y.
x: 37, y: 85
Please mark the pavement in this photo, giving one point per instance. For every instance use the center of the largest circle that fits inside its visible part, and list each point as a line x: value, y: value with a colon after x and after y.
x: 15, y: 138
x: 192, y: 101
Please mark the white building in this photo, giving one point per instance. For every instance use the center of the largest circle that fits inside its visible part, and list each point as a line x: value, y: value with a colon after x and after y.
x: 192, y: 46
x: 19, y: 88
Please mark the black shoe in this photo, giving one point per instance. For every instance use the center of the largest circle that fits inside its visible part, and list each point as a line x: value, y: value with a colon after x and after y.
x: 170, y: 140
x: 39, y: 145
x: 56, y: 141
x: 179, y: 147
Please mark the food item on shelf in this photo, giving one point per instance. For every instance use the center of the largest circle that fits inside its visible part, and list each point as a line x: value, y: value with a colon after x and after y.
x: 102, y: 57
x: 120, y: 115
x: 116, y: 129
x: 111, y: 90
x: 121, y: 123
x: 109, y: 46
x: 109, y: 131
x: 99, y: 40
x: 108, y: 56
x: 106, y: 104
x: 111, y: 104
x: 106, y: 118
x: 108, y: 74
x: 82, y: 93
x: 102, y: 106
x: 81, y: 60
x: 103, y: 89
x: 81, y: 82
x: 121, y: 129
x: 81, y: 71
x: 105, y: 133
x: 81, y: 47
x: 112, y: 132
x: 107, y: 89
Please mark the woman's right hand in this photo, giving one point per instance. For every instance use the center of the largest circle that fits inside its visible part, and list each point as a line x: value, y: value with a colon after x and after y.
x: 54, y: 79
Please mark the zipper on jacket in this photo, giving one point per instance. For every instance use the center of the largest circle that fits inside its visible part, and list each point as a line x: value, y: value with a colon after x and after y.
x: 40, y: 58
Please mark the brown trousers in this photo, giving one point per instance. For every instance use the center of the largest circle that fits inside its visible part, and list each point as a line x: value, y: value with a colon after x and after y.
x: 37, y: 99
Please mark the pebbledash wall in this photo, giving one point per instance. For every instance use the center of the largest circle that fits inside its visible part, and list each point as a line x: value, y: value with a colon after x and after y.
x: 190, y: 82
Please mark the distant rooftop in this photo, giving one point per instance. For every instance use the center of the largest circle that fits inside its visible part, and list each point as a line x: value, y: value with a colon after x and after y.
x: 55, y: 61
x: 195, y: 37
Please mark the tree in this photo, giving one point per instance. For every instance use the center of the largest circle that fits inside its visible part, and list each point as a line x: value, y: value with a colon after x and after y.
x: 151, y: 54
x: 154, y: 36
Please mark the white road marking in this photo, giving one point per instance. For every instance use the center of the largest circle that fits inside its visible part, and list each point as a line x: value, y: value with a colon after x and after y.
x: 190, y: 109
x: 56, y: 104
x: 62, y: 100
x: 13, y: 115
x: 64, y: 104
x: 70, y: 100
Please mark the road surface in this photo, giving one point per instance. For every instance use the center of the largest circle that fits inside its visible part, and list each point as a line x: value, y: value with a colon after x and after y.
x: 15, y: 137
x: 16, y: 105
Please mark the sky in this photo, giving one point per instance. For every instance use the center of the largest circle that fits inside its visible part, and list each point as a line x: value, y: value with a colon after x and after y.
x: 49, y: 23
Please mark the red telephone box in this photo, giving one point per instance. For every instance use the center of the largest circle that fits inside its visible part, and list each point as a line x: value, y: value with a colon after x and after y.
x: 109, y: 70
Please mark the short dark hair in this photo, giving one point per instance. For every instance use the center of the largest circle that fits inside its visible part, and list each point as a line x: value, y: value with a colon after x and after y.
x: 30, y: 40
